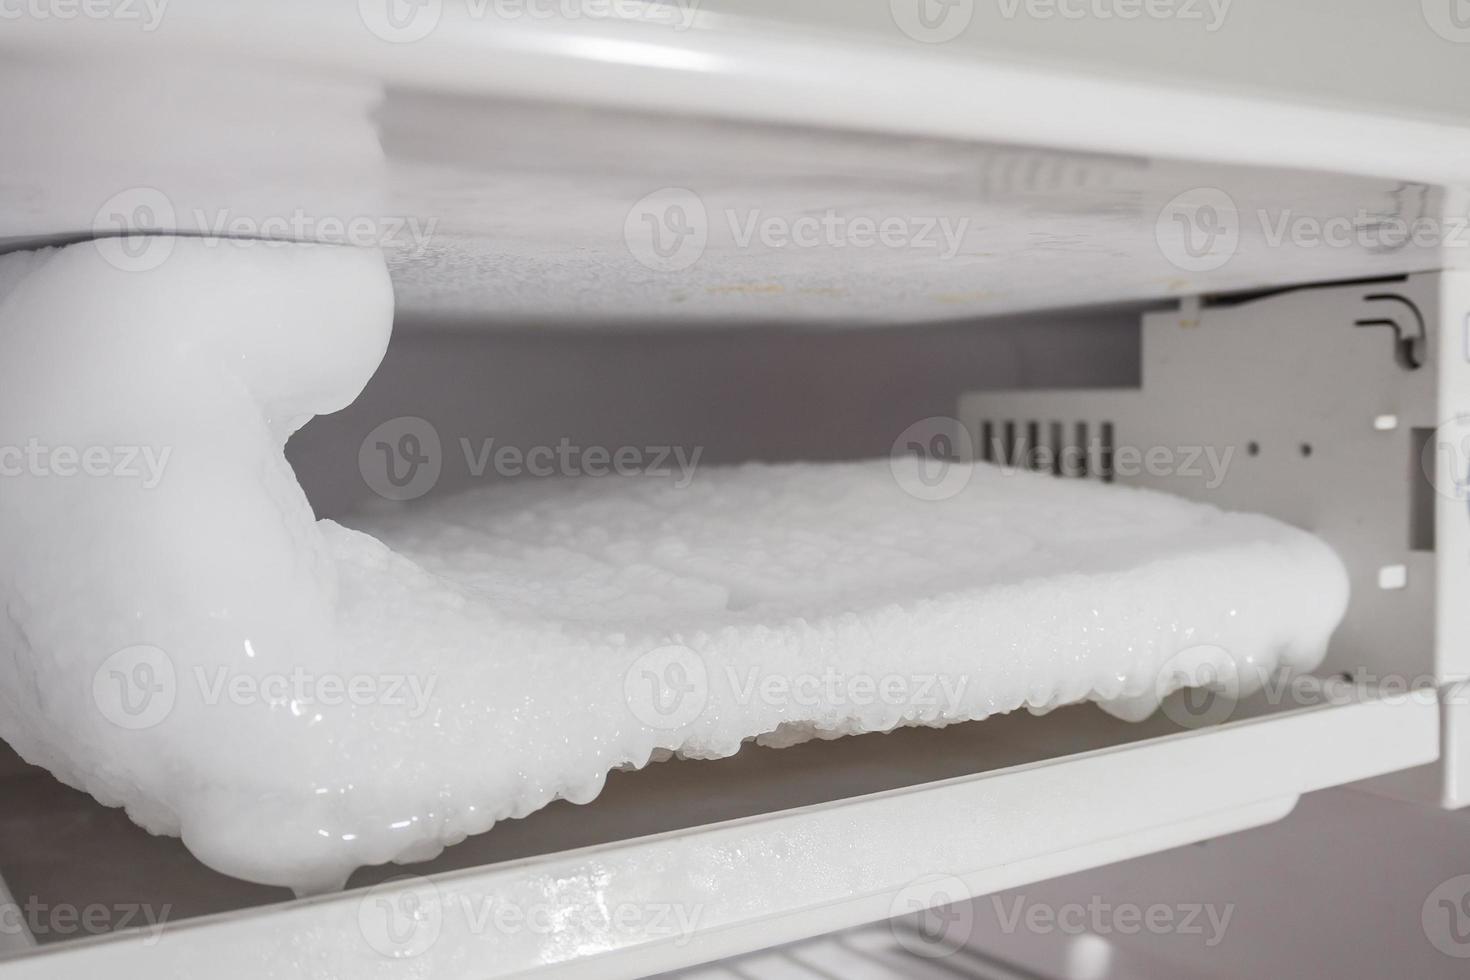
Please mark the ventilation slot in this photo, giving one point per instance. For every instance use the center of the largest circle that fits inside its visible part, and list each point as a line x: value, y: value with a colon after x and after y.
x: 1074, y: 462
x: 1105, y: 452
x: 1071, y: 449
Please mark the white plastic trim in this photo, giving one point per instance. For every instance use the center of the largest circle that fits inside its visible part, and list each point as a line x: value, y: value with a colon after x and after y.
x: 751, y: 883
x: 745, y: 68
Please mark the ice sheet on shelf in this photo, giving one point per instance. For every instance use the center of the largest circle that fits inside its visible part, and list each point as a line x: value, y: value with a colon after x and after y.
x: 297, y: 699
x: 688, y: 221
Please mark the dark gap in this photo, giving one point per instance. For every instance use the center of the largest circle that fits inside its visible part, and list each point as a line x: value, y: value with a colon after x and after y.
x: 1421, y: 491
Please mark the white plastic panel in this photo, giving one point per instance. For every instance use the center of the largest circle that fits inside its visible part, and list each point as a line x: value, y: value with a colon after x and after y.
x: 602, y: 171
x: 1303, y: 405
x: 1284, y: 900
x: 782, y: 875
x: 1267, y: 85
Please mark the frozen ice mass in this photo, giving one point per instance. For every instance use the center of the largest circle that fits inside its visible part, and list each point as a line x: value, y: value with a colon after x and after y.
x: 295, y: 699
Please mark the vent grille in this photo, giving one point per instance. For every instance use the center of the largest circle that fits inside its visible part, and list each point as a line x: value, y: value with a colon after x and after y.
x: 1061, y: 448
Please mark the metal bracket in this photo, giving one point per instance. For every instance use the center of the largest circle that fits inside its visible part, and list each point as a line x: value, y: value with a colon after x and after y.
x: 1279, y: 405
x: 1411, y: 345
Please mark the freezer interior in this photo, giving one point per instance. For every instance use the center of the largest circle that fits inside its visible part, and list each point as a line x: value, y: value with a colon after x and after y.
x: 590, y: 285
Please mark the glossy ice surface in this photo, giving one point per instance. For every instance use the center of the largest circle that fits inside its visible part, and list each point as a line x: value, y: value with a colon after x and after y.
x: 297, y: 699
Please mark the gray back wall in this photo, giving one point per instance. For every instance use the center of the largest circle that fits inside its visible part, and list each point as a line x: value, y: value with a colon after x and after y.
x: 737, y: 395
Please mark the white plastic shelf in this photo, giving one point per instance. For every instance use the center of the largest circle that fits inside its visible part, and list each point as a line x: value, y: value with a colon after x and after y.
x: 687, y: 862
x: 505, y: 161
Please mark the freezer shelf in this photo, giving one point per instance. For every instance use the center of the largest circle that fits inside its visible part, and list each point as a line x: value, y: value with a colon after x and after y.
x: 612, y: 172
x: 1146, y: 87
x: 687, y: 862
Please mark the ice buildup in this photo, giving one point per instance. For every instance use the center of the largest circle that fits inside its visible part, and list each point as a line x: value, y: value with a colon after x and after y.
x: 296, y: 699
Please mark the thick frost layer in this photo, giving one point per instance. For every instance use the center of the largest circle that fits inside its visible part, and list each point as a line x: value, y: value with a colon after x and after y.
x: 296, y: 699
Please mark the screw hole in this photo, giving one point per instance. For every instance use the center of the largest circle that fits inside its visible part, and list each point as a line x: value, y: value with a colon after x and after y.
x: 1253, y: 448
x: 1306, y: 449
